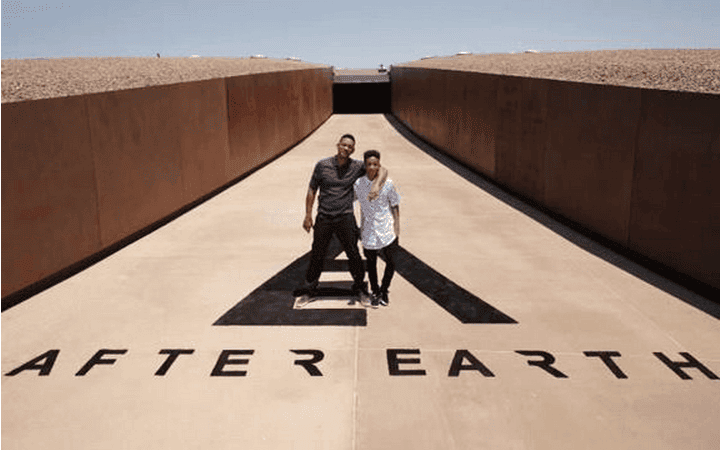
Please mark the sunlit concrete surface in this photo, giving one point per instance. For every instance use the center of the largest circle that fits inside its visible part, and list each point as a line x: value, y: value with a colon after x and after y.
x: 413, y: 377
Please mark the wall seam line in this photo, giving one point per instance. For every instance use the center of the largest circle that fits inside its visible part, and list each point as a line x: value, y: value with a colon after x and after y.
x: 635, y: 153
x: 95, y: 175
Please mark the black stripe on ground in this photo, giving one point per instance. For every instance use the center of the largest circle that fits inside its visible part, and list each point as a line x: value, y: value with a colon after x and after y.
x: 272, y: 302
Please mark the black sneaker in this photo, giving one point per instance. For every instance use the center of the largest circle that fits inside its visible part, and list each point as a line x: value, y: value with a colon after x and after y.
x: 384, y: 298
x: 302, y: 300
x: 361, y: 293
x: 375, y: 299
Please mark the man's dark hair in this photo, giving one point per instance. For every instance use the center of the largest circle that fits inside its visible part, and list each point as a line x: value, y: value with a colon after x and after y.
x: 349, y: 136
x: 370, y: 154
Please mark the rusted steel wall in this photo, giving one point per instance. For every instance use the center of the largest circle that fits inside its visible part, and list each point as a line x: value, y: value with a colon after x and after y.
x: 637, y: 166
x: 82, y: 173
x: 49, y: 194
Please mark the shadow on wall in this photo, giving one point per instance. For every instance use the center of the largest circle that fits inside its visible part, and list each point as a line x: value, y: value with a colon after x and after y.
x: 698, y: 295
x: 636, y: 167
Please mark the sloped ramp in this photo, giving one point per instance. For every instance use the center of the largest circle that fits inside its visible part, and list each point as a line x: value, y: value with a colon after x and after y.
x: 581, y: 349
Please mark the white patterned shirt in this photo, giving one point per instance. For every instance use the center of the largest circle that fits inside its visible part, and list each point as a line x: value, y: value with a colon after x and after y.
x: 376, y: 217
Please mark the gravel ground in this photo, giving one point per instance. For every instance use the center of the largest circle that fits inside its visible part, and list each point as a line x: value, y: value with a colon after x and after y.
x: 678, y: 70
x: 25, y: 79
x: 674, y: 70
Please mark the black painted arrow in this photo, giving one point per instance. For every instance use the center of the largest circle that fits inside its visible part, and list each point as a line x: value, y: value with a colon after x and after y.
x: 272, y: 302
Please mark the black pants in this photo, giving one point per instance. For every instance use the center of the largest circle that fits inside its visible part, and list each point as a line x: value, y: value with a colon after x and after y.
x: 389, y: 254
x: 346, y: 230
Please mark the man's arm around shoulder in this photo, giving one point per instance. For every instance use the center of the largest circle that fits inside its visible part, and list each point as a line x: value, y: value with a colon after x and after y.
x: 378, y: 183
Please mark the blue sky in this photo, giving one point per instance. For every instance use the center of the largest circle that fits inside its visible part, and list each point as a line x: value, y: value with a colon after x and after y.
x: 362, y: 34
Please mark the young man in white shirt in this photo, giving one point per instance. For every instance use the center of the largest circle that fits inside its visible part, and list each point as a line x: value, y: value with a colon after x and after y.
x: 380, y: 225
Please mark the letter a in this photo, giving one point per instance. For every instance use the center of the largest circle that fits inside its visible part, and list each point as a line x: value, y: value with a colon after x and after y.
x: 50, y: 356
x: 457, y: 364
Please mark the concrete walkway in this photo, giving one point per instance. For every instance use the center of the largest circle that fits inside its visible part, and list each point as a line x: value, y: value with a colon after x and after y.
x: 126, y: 353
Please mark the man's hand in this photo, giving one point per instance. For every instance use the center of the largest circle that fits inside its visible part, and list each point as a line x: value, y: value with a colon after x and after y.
x: 307, y: 223
x: 378, y: 184
x: 396, y: 212
x: 309, y: 199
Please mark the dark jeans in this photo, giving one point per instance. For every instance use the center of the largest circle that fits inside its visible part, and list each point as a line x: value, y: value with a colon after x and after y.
x: 389, y: 253
x: 346, y: 230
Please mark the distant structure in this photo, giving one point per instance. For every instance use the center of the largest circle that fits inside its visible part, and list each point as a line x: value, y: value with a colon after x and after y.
x: 195, y: 56
x: 353, y: 76
x: 463, y: 53
x: 531, y: 51
x: 158, y: 55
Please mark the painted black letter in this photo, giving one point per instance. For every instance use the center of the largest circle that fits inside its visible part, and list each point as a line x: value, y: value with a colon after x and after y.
x: 394, y: 361
x: 98, y: 359
x: 606, y: 358
x: 309, y: 364
x: 691, y: 363
x: 50, y: 356
x: 172, y: 356
x: 224, y: 359
x: 545, y: 364
x: 457, y: 364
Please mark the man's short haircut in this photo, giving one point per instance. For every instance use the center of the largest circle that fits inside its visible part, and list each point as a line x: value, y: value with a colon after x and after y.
x: 349, y: 136
x: 370, y: 154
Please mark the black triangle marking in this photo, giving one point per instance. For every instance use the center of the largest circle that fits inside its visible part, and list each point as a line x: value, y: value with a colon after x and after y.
x: 272, y: 302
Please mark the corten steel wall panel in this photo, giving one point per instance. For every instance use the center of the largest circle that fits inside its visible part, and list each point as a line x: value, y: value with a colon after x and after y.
x: 266, y: 113
x: 590, y: 154
x: 272, y: 102
x: 558, y: 145
x: 463, y: 122
x: 470, y: 123
x: 257, y: 103
x: 82, y: 173
x: 637, y: 166
x: 323, y: 94
x: 306, y: 103
x: 49, y: 198
x: 433, y: 115
x: 204, y: 136
x: 317, y: 97
x: 136, y: 136
x: 422, y: 94
x: 243, y: 126
x: 675, y: 206
x: 308, y: 117
x: 522, y: 135
x: 408, y: 88
x: 400, y: 85
x: 292, y: 128
x: 507, y: 108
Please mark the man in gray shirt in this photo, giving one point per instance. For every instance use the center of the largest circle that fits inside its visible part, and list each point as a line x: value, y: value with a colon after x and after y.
x: 334, y: 176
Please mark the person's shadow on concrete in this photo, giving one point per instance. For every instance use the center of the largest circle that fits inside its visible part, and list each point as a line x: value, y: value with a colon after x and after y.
x: 272, y: 302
